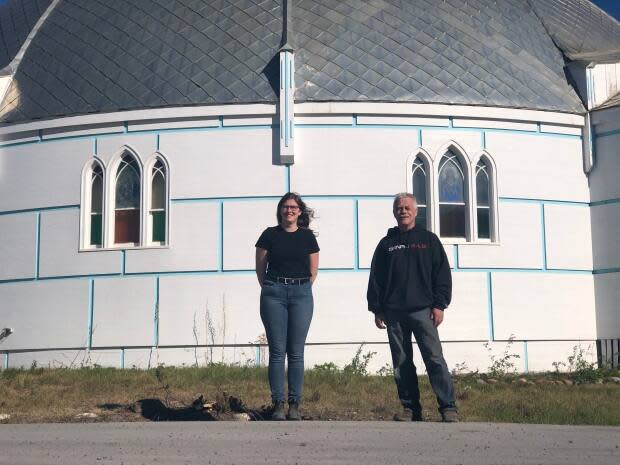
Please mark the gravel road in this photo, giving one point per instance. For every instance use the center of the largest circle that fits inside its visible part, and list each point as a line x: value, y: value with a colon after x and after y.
x: 315, y: 442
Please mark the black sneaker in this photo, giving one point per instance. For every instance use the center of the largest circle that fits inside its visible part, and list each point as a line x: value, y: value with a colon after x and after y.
x: 408, y: 415
x: 293, y: 412
x: 278, y: 413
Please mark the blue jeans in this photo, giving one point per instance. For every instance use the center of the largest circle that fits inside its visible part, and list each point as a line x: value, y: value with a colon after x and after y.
x: 286, y: 311
x: 400, y: 325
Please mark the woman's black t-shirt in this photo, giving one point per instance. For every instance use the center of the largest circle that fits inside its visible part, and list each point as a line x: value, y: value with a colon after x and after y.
x: 288, y: 252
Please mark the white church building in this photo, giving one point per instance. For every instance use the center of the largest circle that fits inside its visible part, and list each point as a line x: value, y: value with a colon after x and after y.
x: 144, y: 146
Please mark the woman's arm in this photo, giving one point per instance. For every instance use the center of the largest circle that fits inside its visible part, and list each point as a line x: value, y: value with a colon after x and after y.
x: 261, y: 265
x: 314, y: 266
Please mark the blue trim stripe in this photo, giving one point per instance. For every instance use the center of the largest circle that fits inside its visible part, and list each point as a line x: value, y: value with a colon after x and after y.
x: 95, y: 146
x: 455, y: 252
x: 526, y: 358
x: 91, y: 305
x: 544, y: 236
x: 356, y: 235
x: 483, y: 140
x: 419, y: 138
x: 40, y: 209
x: 606, y: 271
x: 599, y: 203
x: 156, y: 314
x: 6, y: 360
x: 490, y: 319
x: 543, y: 201
x: 37, y: 258
x: 615, y: 132
x: 123, y: 261
x: 122, y: 361
x: 158, y: 141
x: 221, y: 127
x: 221, y: 239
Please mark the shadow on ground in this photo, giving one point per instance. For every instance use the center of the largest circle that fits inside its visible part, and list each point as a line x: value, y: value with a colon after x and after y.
x: 156, y: 410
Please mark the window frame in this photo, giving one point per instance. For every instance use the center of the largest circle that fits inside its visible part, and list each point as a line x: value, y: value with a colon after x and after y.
x: 111, y: 195
x: 110, y: 172
x: 465, y: 163
x: 488, y: 160
x: 427, y: 161
x: 148, y: 187
x: 86, y: 204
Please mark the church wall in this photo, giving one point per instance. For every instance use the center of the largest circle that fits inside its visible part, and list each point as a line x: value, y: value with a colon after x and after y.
x: 606, y: 221
x: 224, y: 188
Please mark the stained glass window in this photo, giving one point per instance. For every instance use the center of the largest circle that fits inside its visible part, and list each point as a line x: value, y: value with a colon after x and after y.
x: 419, y: 190
x: 127, y: 205
x: 96, y: 206
x: 452, y: 208
x: 483, y: 209
x: 158, y: 203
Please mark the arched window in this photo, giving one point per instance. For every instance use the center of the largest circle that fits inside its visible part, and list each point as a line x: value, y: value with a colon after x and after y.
x: 419, y: 183
x: 157, y: 204
x: 452, y: 195
x: 483, y: 204
x: 127, y: 202
x: 96, y: 206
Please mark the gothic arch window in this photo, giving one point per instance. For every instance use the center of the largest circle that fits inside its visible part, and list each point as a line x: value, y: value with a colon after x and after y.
x: 127, y: 201
x: 483, y: 203
x: 452, y: 189
x: 157, y: 202
x: 487, y: 226
x: 419, y: 183
x: 92, y: 205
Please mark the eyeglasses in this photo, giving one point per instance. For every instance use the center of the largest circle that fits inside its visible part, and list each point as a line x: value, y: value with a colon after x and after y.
x: 290, y: 207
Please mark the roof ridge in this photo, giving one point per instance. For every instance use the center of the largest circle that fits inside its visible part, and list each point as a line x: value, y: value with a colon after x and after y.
x: 11, y: 68
x: 287, y: 25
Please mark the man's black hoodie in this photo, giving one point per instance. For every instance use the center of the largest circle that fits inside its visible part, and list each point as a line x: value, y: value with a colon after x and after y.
x: 409, y: 272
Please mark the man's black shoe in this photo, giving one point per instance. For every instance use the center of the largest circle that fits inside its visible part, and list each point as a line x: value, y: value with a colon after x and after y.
x: 408, y: 415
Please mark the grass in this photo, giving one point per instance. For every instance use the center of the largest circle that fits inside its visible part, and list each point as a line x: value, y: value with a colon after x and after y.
x: 58, y: 395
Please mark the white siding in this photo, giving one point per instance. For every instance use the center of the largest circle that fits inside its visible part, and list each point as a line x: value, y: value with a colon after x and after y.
x: 193, y: 243
x: 244, y: 221
x: 230, y: 163
x: 605, y: 176
x: 18, y: 238
x: 347, y: 161
x: 123, y: 312
x: 334, y: 226
x: 539, y: 167
x: 143, y: 144
x: 520, y: 236
x: 59, y: 254
x: 45, y: 314
x: 606, y: 236
x: 543, y: 306
x: 42, y: 175
x: 568, y: 237
x: 607, y: 287
x: 231, y: 301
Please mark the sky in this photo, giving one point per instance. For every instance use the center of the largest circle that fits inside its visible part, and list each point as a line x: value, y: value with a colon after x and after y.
x: 610, y: 6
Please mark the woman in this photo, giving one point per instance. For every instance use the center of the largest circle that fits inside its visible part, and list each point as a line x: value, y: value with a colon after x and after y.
x: 287, y: 260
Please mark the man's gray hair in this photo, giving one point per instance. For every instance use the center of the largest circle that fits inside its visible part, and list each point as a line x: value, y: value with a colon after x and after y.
x: 403, y: 195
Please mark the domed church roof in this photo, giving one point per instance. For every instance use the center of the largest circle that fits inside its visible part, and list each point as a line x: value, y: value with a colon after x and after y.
x: 16, y: 21
x: 92, y: 56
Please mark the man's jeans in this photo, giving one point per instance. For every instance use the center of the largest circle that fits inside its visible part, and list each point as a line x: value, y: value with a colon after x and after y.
x: 400, y: 325
x: 286, y: 311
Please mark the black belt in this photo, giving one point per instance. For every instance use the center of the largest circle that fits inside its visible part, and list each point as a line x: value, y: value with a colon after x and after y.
x: 296, y: 281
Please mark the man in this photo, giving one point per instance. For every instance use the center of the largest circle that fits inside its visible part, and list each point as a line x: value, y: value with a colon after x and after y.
x: 409, y: 288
